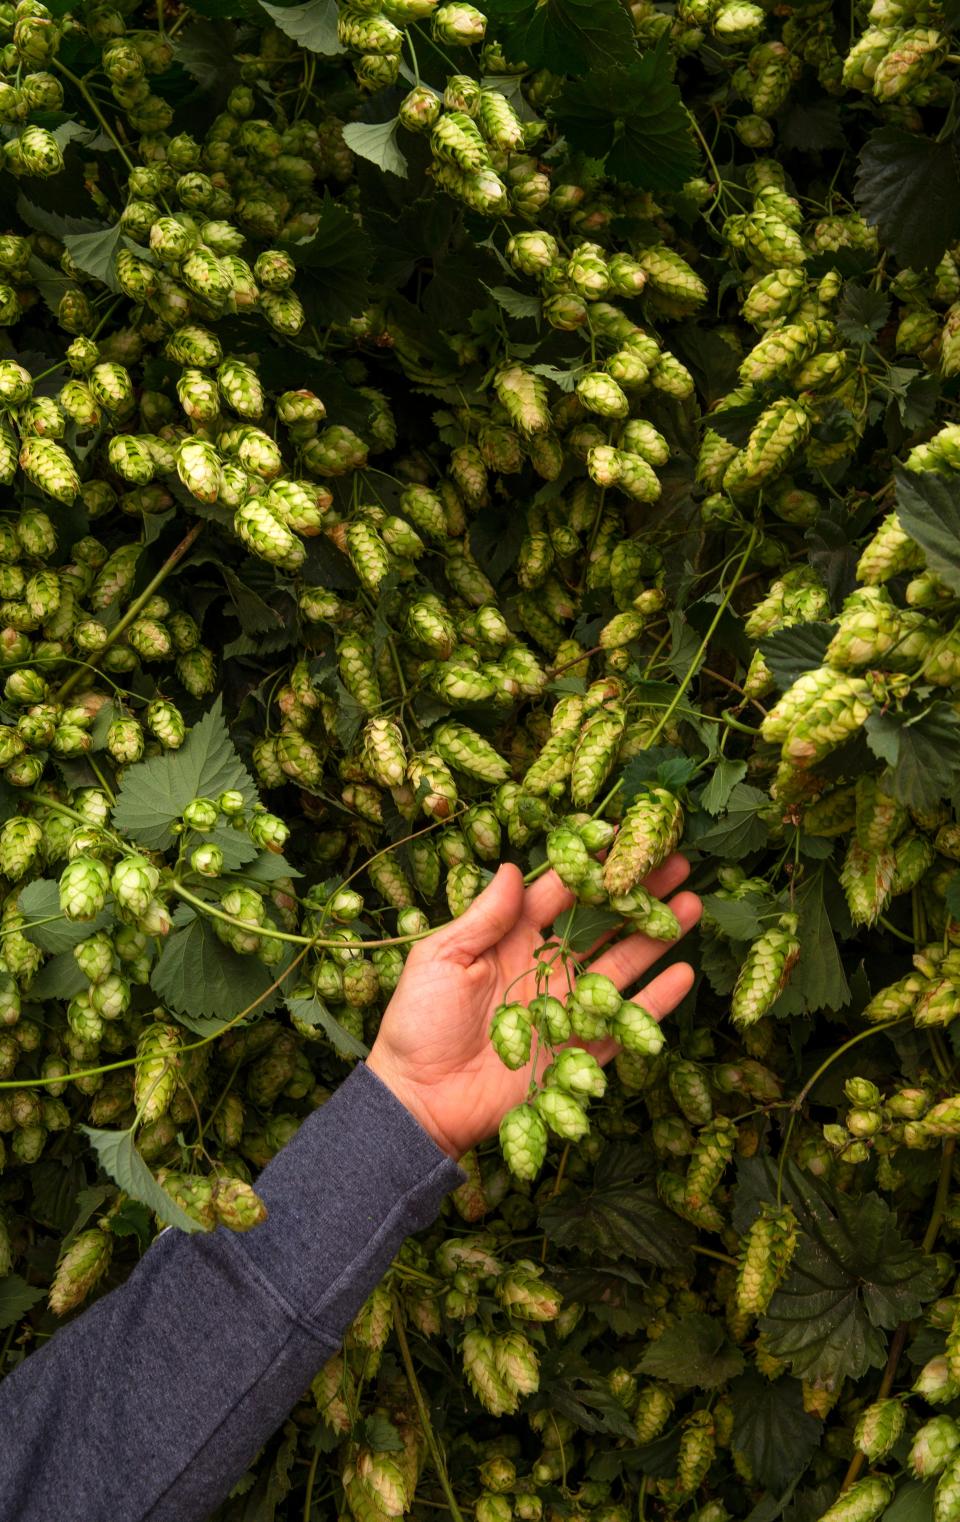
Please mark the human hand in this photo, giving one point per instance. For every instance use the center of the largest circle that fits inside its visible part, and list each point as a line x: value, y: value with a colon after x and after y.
x: 433, y: 1049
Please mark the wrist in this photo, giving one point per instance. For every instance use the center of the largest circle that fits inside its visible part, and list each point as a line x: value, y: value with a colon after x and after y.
x: 413, y: 1099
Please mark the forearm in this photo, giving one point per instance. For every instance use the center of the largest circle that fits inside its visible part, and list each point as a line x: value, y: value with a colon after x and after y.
x: 153, y: 1402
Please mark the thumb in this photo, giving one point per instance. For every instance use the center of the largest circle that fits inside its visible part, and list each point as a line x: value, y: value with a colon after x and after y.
x: 493, y: 913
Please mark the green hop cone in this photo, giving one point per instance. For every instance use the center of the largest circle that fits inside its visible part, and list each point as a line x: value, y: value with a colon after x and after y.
x: 165, y: 721
x: 765, y: 971
x: 550, y: 1018
x: 263, y: 532
x: 83, y: 888
x: 933, y: 1446
x: 597, y: 994
x: 577, y: 1072
x: 635, y: 1029
x: 863, y: 1502
x: 765, y: 1255
x: 134, y: 882
x: 483, y: 1377
x: 468, y: 752
x: 49, y: 468
x: 562, y: 1113
x: 157, y: 1071
x: 464, y: 881
x: 523, y: 1141
x: 652, y: 1412
x: 649, y: 831
x: 80, y: 1269
x: 595, y: 751
x: 568, y: 856
x: 879, y: 1428
x: 384, y: 754
x: 511, y: 1035
x: 20, y: 841
x: 237, y: 1205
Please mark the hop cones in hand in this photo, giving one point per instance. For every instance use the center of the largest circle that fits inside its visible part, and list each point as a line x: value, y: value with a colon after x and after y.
x: 649, y: 831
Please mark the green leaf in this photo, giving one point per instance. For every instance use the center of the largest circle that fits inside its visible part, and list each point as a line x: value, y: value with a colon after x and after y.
x: 771, y: 1429
x: 618, y: 1216
x: 377, y: 141
x: 861, y: 314
x: 132, y: 1220
x: 565, y: 36
x: 335, y: 263
x: 635, y: 119
x: 96, y: 253
x: 791, y: 652
x: 16, y: 1298
x: 380, y: 1434
x: 119, y: 1158
x: 741, y: 830
x: 57, y: 1192
x: 907, y: 185
x: 928, y: 506
x: 153, y: 794
x: 580, y: 926
x: 86, y: 1203
x: 922, y: 748
x: 951, y: 898
x: 663, y: 765
x: 913, y: 1502
x: 60, y: 978
x: 854, y: 1276
x: 726, y: 774
x: 40, y: 900
x: 313, y: 26
x: 514, y: 303
x: 819, y: 978
x: 202, y: 979
x: 313, y: 1011
x: 737, y: 918
x: 695, y: 1352
x: 206, y: 51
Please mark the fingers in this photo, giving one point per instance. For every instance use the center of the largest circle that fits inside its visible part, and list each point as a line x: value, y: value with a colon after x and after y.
x: 629, y: 959
x: 667, y: 878
x: 491, y: 916
x: 659, y: 998
x: 545, y: 899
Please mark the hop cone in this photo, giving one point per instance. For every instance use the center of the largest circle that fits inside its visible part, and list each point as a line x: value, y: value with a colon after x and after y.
x: 523, y: 1141
x: 83, y: 888
x: 511, y: 1034
x: 653, y: 1409
x: 84, y: 1263
x: 765, y: 972
x: 765, y: 1255
x: 156, y: 1074
x: 890, y: 552
x: 863, y: 1502
x: 650, y: 829
x: 563, y: 1114
x: 879, y: 1428
x: 934, y: 1446
x: 50, y: 468
x: 467, y: 752
x: 483, y: 1377
x: 867, y: 880
x: 237, y: 1205
x: 593, y: 757
x: 384, y: 756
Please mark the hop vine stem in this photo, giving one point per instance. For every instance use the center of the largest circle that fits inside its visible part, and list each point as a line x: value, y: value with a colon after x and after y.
x: 134, y: 610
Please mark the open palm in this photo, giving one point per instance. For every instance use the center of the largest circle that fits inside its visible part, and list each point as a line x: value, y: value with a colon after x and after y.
x: 433, y: 1049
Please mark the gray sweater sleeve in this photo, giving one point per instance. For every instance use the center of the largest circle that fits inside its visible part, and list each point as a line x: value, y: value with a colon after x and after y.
x: 153, y: 1402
